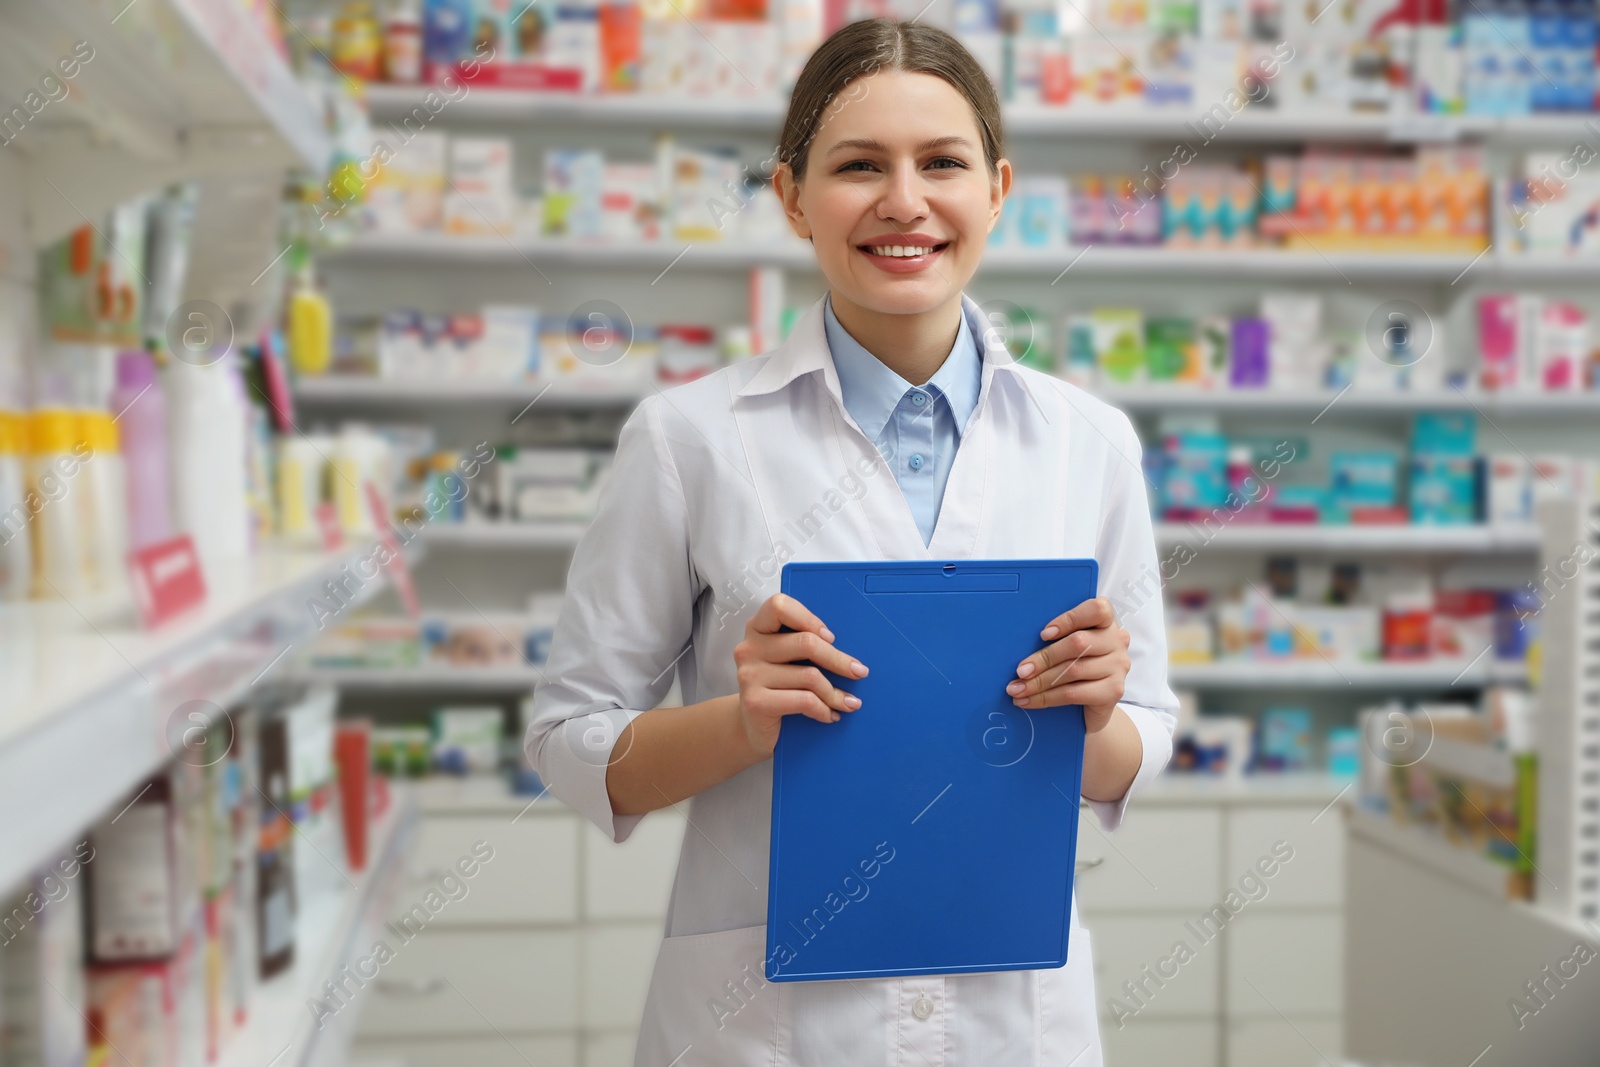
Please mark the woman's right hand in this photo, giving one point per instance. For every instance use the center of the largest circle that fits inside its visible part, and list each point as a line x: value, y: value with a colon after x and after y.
x: 772, y: 684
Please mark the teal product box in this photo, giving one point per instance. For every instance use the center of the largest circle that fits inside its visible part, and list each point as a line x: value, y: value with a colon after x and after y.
x: 1444, y: 490
x: 1284, y: 743
x: 1363, y: 480
x: 1344, y: 751
x: 1295, y: 497
x: 1196, y: 471
x: 1444, y: 433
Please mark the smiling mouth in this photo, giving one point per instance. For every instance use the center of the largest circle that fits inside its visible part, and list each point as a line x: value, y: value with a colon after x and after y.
x: 903, y: 251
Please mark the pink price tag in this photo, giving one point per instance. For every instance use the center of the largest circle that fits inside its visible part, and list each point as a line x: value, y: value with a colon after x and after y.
x: 328, y: 524
x: 397, y: 567
x: 167, y: 580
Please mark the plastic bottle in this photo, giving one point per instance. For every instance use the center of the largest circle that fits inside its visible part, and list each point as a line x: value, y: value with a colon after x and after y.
x: 207, y: 428
x: 300, y: 476
x: 16, y: 549
x: 103, y: 488
x: 53, y: 466
x: 358, y: 458
x: 310, y: 328
x: 140, y: 408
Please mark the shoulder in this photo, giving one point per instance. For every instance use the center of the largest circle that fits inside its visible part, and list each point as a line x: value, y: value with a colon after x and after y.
x: 1085, y: 414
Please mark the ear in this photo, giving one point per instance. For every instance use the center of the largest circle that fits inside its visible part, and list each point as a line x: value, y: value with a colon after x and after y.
x: 788, y: 190
x: 999, y: 189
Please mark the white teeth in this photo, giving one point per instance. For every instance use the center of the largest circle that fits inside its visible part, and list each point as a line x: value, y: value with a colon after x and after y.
x: 900, y: 251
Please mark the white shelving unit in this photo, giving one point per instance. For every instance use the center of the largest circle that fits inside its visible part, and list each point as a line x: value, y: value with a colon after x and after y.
x: 349, y: 389
x: 527, y: 535
x: 432, y: 676
x: 1309, y: 673
x: 174, y: 89
x: 1159, y: 397
x: 759, y: 115
x: 330, y: 932
x: 1278, y: 537
x: 81, y: 687
x: 1091, y: 260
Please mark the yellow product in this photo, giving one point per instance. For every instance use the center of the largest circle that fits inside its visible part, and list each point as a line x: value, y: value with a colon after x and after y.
x: 56, y: 533
x: 310, y: 331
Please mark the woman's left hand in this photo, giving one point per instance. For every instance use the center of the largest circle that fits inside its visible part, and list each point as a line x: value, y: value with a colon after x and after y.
x: 1086, y: 663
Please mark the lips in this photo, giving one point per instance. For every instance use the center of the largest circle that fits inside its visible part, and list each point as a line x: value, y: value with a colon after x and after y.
x: 902, y: 253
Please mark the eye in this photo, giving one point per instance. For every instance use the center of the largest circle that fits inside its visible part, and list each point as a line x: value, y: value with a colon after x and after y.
x: 946, y: 163
x: 858, y: 165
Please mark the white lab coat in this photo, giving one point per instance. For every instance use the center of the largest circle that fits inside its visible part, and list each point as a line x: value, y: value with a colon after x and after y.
x: 716, y: 483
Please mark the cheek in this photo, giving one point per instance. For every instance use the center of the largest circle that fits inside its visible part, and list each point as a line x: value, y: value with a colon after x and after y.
x: 836, y: 214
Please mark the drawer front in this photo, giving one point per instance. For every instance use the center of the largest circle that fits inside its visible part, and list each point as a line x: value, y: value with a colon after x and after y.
x: 479, y: 1052
x: 632, y: 880
x: 1296, y: 960
x: 1124, y: 945
x: 1168, y: 1043
x: 1159, y: 859
x: 1258, y: 838
x: 532, y: 877
x: 617, y: 962
x: 1306, y: 1042
x: 468, y: 982
x: 609, y: 1049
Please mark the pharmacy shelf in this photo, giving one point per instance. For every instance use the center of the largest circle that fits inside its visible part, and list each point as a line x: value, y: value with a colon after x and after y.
x: 171, y: 89
x: 1258, y: 537
x: 431, y: 677
x: 394, y: 103
x: 332, y: 930
x: 541, y: 254
x: 1157, y: 397
x: 566, y: 393
x: 522, y: 535
x: 88, y: 698
x: 1315, y: 673
x: 1428, y: 846
x: 599, y: 392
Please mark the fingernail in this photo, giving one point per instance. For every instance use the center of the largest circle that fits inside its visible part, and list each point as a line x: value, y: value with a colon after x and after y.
x: 1025, y: 671
x: 859, y: 668
x: 835, y: 717
x: 1050, y: 632
x: 1015, y: 687
x: 827, y: 634
x: 853, y: 702
x: 1019, y: 702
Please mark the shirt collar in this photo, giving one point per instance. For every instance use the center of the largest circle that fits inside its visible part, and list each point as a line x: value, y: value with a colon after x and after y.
x: 872, y: 391
x: 806, y: 352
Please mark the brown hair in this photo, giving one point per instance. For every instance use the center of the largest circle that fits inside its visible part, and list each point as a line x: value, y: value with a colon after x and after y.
x: 866, y: 47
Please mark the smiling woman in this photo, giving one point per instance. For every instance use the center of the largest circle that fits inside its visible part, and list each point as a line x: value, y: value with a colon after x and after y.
x: 891, y: 165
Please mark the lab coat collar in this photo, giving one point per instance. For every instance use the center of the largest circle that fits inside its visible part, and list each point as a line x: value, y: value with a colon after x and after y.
x: 875, y: 391
x: 806, y: 351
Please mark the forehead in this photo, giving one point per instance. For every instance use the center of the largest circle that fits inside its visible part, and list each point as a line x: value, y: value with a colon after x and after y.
x: 898, y: 108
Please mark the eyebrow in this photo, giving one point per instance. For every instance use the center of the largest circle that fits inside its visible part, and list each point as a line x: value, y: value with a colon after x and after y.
x: 866, y: 144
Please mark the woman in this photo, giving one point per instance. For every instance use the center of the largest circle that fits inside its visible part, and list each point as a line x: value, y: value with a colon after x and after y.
x: 888, y: 426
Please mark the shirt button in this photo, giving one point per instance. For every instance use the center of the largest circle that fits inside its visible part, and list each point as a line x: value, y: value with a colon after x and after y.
x: 919, y: 399
x: 916, y: 461
x: 922, y: 1007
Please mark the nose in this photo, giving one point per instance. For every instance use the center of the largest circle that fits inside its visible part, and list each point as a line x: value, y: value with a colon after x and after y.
x: 902, y: 199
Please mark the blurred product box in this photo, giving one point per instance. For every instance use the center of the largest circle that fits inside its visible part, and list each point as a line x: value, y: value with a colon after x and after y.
x: 481, y: 199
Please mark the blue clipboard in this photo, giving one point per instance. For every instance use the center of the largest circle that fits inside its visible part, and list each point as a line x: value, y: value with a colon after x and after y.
x: 934, y: 829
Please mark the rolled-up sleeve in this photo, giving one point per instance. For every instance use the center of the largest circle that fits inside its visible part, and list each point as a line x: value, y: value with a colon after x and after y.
x: 1131, y: 578
x: 626, y: 619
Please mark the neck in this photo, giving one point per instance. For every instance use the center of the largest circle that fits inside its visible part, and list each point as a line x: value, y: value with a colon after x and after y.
x: 913, y: 346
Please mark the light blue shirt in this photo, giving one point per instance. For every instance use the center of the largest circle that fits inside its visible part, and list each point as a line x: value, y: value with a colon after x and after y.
x: 917, y: 428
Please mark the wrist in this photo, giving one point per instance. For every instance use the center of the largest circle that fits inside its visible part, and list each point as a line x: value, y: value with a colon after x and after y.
x: 738, y: 736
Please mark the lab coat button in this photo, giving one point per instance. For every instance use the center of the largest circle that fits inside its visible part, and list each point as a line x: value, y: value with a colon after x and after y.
x: 922, y: 1008
x: 919, y: 399
x: 916, y: 461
